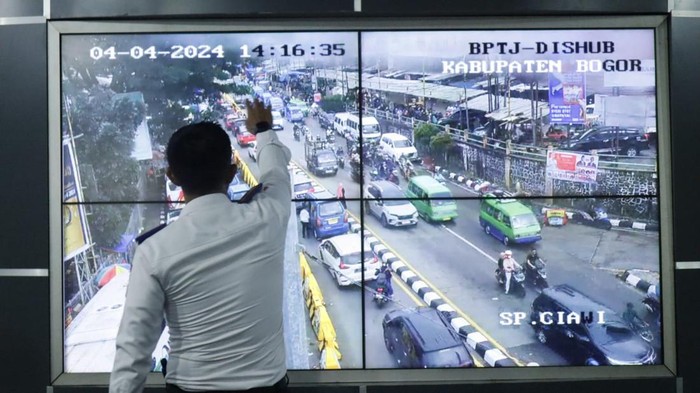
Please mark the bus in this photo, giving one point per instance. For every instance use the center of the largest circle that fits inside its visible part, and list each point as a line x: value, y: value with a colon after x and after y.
x: 509, y: 221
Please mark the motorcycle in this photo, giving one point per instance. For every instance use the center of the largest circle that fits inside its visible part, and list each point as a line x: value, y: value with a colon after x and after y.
x: 597, y: 218
x: 380, y: 296
x: 537, y: 277
x: 394, y: 177
x: 517, y: 280
x: 642, y: 328
x: 440, y: 178
x: 651, y: 303
x: 341, y: 158
x: 297, y: 133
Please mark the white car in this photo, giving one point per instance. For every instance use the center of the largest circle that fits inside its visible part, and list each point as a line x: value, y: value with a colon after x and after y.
x: 398, y: 145
x: 345, y: 261
x: 302, y: 187
x: 174, y: 194
x: 253, y: 150
x: 277, y: 120
x: 172, y: 216
x: 394, y: 211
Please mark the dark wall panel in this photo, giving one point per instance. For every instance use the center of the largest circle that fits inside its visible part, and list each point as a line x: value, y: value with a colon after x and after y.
x: 685, y: 135
x: 686, y: 5
x: 23, y: 151
x: 61, y: 9
x: 18, y: 8
x: 600, y: 386
x: 512, y: 7
x: 687, y: 328
x: 24, y: 329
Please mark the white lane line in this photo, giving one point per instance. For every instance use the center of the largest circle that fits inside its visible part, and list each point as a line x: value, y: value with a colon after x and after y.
x: 470, y: 244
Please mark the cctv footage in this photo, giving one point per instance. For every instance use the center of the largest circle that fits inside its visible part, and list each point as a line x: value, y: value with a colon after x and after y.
x: 486, y: 196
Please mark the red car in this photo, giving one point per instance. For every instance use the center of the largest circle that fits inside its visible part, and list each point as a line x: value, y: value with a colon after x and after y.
x: 244, y: 138
x: 556, y: 134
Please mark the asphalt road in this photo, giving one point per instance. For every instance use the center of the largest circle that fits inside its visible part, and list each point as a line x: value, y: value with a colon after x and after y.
x: 458, y: 260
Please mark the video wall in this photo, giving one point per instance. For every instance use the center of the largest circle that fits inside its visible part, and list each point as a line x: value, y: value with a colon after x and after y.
x: 477, y: 198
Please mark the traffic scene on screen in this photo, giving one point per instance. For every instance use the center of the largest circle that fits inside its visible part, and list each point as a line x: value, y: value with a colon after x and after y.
x: 461, y: 199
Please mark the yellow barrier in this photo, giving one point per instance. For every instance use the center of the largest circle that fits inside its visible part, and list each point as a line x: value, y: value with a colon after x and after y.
x: 244, y: 170
x: 320, y: 320
x: 231, y: 101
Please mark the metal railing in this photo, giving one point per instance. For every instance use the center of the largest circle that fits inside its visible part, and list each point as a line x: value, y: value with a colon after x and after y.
x: 606, y: 161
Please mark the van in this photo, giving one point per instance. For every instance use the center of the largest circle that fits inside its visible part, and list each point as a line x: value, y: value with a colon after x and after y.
x: 301, y: 188
x: 397, y: 145
x: 327, y: 216
x: 277, y: 104
x: 266, y: 98
x: 508, y: 220
x: 370, y: 128
x: 421, y: 190
x: 339, y: 122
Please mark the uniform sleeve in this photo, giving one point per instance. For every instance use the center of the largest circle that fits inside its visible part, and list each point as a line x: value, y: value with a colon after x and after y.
x: 140, y: 328
x: 273, y: 158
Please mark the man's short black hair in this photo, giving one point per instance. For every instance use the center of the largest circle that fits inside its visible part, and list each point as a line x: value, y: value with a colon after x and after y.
x: 199, y: 156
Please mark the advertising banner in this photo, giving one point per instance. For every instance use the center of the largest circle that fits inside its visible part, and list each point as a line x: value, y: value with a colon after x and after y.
x: 567, y: 98
x: 570, y: 166
x: 74, y: 224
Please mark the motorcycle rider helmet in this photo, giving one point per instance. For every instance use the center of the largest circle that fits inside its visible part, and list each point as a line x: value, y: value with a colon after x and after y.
x: 508, y: 253
x: 533, y: 253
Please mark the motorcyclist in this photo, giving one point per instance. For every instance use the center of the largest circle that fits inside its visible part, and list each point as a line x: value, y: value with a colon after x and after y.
x: 531, y: 263
x: 385, y: 272
x: 499, y: 270
x: 509, y: 266
x: 630, y: 315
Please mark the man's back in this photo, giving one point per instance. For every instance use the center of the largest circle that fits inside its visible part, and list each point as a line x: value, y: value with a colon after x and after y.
x: 221, y: 269
x: 216, y: 274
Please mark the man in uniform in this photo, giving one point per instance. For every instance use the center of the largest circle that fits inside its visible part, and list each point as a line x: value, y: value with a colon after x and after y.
x: 216, y: 273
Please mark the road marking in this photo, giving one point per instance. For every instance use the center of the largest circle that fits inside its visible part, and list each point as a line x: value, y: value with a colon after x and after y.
x: 470, y: 244
x: 447, y: 300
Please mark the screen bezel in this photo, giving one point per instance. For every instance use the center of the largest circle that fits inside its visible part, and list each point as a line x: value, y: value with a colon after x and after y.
x: 385, y: 376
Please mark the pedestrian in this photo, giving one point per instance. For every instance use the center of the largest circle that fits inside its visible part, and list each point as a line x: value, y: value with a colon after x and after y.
x: 229, y: 334
x: 304, y: 219
x: 340, y: 194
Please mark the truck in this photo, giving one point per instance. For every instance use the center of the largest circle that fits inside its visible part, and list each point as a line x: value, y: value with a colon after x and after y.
x: 320, y: 157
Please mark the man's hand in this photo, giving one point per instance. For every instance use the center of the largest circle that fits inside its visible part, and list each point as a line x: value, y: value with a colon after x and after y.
x: 257, y: 113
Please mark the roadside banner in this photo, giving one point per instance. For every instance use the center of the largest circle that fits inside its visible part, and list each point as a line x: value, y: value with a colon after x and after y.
x: 74, y: 220
x: 572, y: 166
x: 567, y: 97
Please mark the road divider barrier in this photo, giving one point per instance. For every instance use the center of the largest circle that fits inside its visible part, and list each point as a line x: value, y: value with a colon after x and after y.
x: 244, y: 170
x: 320, y: 320
x: 493, y: 356
x: 634, y: 279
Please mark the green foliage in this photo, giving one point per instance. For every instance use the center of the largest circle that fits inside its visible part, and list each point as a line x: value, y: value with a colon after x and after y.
x: 334, y: 103
x: 441, y: 144
x: 423, y: 133
x: 106, y: 130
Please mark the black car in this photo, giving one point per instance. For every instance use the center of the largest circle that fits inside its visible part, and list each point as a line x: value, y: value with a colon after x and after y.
x: 459, y: 119
x: 610, y: 140
x: 423, y: 338
x: 586, y: 331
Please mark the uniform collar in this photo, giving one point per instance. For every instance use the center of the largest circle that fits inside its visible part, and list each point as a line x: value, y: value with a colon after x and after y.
x: 205, y: 202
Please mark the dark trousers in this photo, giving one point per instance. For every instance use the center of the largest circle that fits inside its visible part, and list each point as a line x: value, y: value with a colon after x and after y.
x: 279, y: 387
x: 304, y: 229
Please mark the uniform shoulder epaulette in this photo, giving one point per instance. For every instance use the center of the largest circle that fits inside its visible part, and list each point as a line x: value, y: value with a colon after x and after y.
x: 248, y: 196
x: 142, y: 237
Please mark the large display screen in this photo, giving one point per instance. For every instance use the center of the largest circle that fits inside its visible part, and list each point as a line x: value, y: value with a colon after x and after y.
x: 503, y: 182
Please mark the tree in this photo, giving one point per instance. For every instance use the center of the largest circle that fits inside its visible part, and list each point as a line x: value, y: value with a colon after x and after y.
x: 422, y: 135
x: 441, y: 144
x: 106, y: 130
x: 334, y: 103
